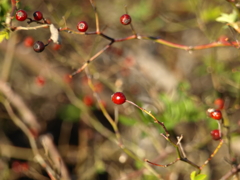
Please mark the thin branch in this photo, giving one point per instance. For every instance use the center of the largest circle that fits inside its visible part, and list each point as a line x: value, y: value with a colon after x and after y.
x: 165, y: 166
x: 55, y: 156
x: 90, y: 60
x: 213, y: 154
x: 27, y: 115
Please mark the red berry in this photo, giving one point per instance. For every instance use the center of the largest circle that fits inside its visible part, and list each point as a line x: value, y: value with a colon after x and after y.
x: 21, y: 15
x: 38, y: 46
x: 216, y: 114
x: 125, y: 19
x: 37, y: 15
x: 28, y: 41
x: 215, y: 134
x: 40, y: 81
x: 67, y: 78
x: 56, y: 47
x: 219, y: 103
x: 19, y: 167
x: 118, y: 98
x: 88, y: 100
x: 82, y: 26
x: 98, y: 87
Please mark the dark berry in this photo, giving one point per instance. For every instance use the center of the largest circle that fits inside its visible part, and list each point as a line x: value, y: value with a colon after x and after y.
x: 216, y: 114
x: 82, y: 26
x: 118, y: 98
x: 38, y: 46
x: 28, y: 41
x: 21, y: 15
x: 37, y: 15
x: 219, y: 103
x: 215, y: 134
x: 125, y: 19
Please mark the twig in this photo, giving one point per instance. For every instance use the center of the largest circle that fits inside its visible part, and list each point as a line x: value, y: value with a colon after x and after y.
x: 55, y: 156
x: 27, y: 115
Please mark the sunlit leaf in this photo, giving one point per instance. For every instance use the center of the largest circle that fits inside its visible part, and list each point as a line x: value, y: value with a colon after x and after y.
x: 228, y: 18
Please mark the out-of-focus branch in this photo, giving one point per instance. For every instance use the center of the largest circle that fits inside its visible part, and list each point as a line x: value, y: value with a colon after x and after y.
x: 55, y: 156
x: 14, y: 99
x: 232, y: 172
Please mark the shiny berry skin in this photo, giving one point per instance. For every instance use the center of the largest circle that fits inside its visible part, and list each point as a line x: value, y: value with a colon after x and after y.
x: 125, y: 19
x: 38, y: 46
x: 37, y: 15
x: 216, y: 114
x: 215, y: 134
x: 82, y: 26
x: 219, y: 103
x: 118, y: 98
x: 21, y: 15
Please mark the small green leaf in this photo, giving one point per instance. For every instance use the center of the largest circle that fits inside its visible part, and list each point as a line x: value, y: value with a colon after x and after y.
x: 4, y: 35
x: 193, y: 176
x: 126, y: 120
x: 201, y: 177
x: 228, y: 18
x: 69, y: 113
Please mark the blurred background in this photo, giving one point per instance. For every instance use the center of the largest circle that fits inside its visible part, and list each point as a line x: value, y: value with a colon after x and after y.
x: 177, y: 86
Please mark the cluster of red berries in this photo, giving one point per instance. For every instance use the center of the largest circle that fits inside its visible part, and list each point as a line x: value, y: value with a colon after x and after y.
x: 21, y: 15
x: 216, y: 114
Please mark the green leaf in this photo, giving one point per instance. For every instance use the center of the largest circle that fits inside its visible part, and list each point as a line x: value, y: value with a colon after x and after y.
x: 69, y: 113
x: 126, y: 120
x: 4, y: 35
x: 201, y: 177
x: 193, y: 176
x: 228, y: 18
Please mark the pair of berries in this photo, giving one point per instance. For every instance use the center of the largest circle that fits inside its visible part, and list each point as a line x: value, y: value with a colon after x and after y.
x: 125, y: 19
x: 21, y: 15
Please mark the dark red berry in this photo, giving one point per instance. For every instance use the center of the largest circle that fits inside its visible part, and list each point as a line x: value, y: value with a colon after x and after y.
x: 28, y: 41
x: 88, y: 100
x: 56, y: 47
x: 125, y: 19
x: 219, y: 103
x: 20, y: 167
x: 216, y: 114
x: 21, y: 15
x: 82, y: 26
x: 118, y: 98
x: 40, y: 81
x: 38, y: 46
x: 215, y: 134
x: 37, y: 15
